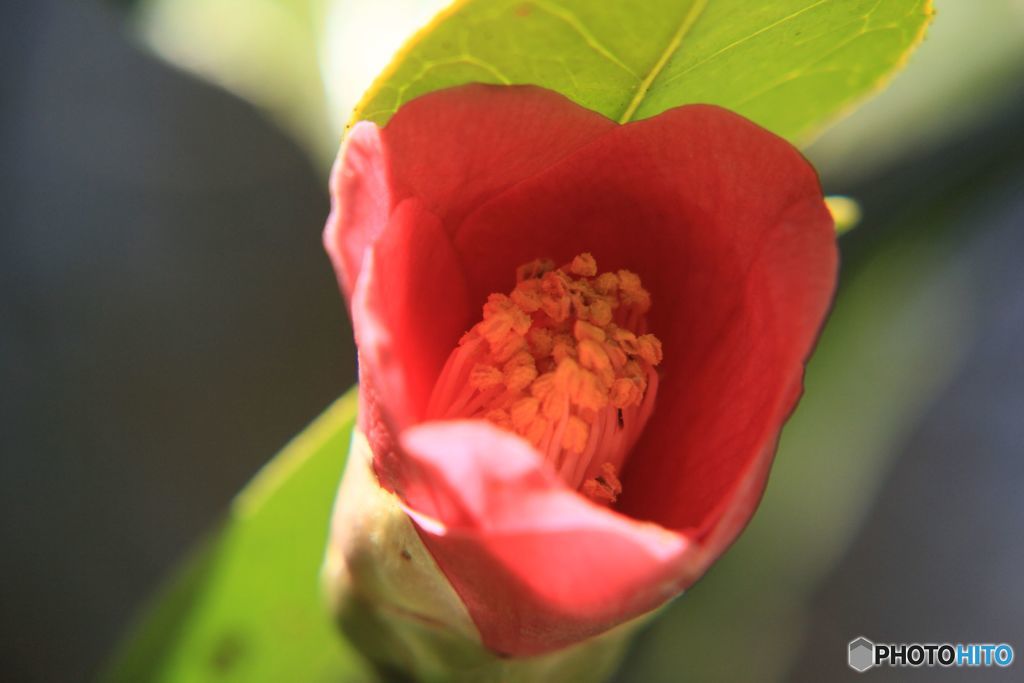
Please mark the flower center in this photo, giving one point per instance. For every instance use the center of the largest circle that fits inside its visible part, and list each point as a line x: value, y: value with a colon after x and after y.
x: 564, y: 362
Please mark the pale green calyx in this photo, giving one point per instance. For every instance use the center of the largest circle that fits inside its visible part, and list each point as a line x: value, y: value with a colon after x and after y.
x: 395, y: 604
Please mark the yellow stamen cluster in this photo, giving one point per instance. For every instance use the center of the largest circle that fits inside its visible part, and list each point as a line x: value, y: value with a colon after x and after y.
x: 562, y: 361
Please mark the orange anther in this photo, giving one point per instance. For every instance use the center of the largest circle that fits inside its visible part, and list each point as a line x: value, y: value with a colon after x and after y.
x: 649, y: 349
x: 523, y: 412
x: 534, y: 269
x: 484, y: 377
x: 542, y: 343
x: 607, y: 284
x: 520, y: 371
x: 574, y: 438
x: 593, y: 356
x: 559, y: 361
x: 584, y: 330
x: 605, y: 487
x: 500, y: 418
x: 584, y: 265
x: 600, y: 312
x: 527, y: 296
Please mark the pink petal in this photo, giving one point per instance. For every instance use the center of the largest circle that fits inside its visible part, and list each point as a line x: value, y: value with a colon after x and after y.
x: 538, y: 566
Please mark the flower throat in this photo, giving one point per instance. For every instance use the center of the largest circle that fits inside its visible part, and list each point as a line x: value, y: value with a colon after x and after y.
x: 563, y: 361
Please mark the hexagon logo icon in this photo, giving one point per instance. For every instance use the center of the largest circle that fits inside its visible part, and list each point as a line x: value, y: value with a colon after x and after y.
x: 861, y: 654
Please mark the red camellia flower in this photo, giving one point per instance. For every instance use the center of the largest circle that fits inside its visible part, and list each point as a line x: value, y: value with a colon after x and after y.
x: 578, y: 341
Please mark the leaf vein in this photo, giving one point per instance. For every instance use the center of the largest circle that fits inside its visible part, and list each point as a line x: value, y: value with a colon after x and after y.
x: 466, y: 59
x: 589, y: 38
x: 806, y: 70
x: 696, y: 9
x: 737, y: 43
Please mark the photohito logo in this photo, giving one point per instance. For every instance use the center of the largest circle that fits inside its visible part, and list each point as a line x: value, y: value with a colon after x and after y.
x: 862, y: 654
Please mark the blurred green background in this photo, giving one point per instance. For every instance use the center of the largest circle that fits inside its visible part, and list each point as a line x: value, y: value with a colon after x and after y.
x: 170, y: 321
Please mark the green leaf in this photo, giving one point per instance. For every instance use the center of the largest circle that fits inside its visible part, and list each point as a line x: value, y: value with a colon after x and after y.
x: 247, y: 607
x: 790, y: 65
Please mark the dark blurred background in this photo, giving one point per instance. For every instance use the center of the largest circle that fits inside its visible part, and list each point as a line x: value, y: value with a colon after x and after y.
x: 169, y: 320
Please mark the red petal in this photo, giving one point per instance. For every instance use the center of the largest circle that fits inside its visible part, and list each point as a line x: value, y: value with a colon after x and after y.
x: 452, y: 149
x: 360, y: 202
x: 409, y: 304
x: 537, y: 565
x: 455, y: 148
x: 726, y: 225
